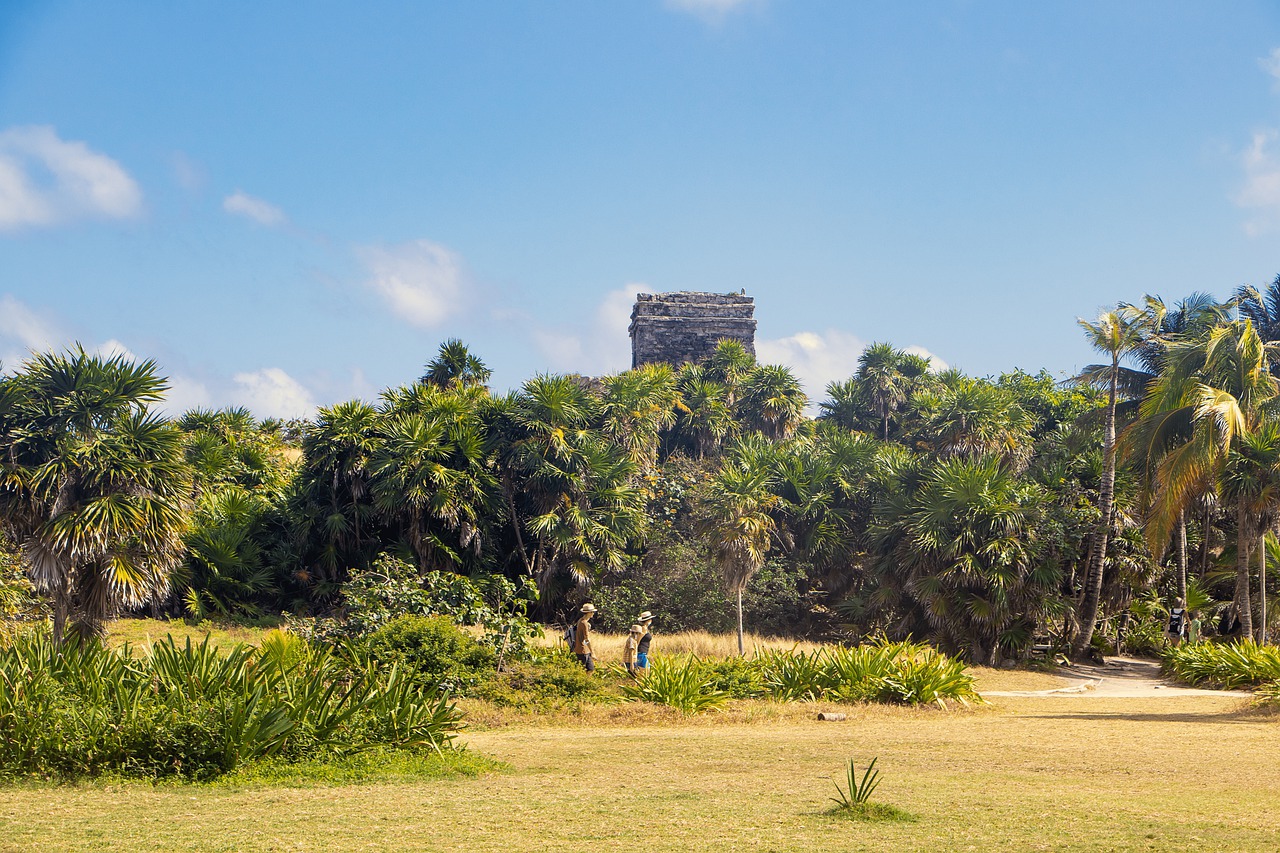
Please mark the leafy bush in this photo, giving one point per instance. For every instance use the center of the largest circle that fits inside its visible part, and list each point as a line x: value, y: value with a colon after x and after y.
x: 683, y: 683
x: 393, y: 588
x: 82, y: 710
x: 1224, y: 665
x: 551, y: 680
x: 432, y: 651
x: 738, y: 677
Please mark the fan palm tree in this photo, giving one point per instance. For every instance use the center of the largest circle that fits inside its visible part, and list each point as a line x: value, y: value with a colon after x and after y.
x: 741, y: 524
x: 637, y: 407
x: 772, y: 401
x: 882, y: 381
x: 94, y: 488
x: 455, y: 365
x: 1116, y: 333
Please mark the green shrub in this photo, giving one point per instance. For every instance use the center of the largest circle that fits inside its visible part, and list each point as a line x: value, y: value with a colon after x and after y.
x: 738, y: 677
x: 82, y: 710
x: 683, y: 683
x: 551, y: 680
x: 432, y: 651
x: 1225, y: 665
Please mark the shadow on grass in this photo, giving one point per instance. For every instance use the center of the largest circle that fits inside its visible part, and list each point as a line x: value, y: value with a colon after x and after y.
x: 1243, y: 715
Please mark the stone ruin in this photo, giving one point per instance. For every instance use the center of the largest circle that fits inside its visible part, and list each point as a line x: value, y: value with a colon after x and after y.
x: 684, y: 327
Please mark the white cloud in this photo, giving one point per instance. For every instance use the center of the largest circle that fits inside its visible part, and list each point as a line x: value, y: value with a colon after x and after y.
x: 113, y: 348
x: 272, y: 393
x: 23, y: 329
x: 604, y: 346
x: 262, y: 212
x: 1261, y: 189
x: 422, y: 281
x: 45, y: 180
x: 936, y: 365
x: 816, y: 359
x: 1271, y: 63
x: 185, y: 394
x: 713, y: 11
x: 820, y: 359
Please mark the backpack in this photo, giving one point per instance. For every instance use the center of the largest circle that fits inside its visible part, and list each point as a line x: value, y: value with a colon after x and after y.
x: 571, y: 635
x: 1177, y: 621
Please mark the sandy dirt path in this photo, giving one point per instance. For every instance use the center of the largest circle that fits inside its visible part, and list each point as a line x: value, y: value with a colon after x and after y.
x: 1119, y: 677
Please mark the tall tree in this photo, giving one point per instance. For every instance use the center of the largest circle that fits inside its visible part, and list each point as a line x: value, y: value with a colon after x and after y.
x: 1116, y: 333
x: 93, y: 487
x: 741, y: 523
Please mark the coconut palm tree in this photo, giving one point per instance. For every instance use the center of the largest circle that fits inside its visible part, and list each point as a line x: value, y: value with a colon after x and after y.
x: 1222, y: 386
x: 1116, y: 333
x: 94, y: 488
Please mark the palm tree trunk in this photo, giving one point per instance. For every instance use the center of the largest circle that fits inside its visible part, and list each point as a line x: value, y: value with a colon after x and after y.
x: 741, y: 649
x: 1098, y: 547
x: 1261, y: 624
x: 1182, y: 555
x: 1243, y: 605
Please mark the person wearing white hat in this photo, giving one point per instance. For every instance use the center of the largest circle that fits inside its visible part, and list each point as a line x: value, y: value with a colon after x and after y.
x: 582, y: 638
x: 646, y: 637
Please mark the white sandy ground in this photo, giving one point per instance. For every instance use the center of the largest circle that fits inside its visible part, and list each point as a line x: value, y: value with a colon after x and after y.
x: 1119, y: 677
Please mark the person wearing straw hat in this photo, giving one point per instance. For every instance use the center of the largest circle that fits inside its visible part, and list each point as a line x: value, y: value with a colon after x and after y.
x: 629, y: 653
x: 582, y: 638
x: 646, y: 637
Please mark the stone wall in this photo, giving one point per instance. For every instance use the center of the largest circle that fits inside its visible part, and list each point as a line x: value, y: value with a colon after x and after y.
x: 685, y: 326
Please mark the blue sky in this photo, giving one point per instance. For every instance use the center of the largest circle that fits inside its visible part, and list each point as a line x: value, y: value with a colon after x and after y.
x: 288, y: 205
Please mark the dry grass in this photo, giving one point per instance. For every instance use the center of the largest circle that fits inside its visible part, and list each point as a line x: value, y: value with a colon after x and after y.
x: 607, y: 648
x: 144, y: 632
x: 1061, y: 773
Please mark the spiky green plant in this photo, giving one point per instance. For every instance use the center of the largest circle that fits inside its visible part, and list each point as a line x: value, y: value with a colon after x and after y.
x: 859, y: 790
x: 683, y: 683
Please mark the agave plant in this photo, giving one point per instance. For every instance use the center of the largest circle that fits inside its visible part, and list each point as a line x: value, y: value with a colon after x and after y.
x: 683, y: 683
x: 859, y: 790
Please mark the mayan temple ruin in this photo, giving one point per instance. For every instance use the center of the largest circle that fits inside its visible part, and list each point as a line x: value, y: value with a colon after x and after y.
x: 684, y: 327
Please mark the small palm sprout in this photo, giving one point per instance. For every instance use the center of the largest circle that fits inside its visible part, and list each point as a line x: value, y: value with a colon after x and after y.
x: 859, y: 790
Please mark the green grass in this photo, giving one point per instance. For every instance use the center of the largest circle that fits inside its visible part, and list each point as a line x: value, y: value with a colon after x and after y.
x: 144, y: 632
x: 364, y: 768
x: 871, y: 813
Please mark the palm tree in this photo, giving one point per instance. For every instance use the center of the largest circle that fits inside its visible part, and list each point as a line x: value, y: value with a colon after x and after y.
x: 704, y: 414
x: 637, y: 407
x: 880, y: 376
x: 1116, y: 333
x: 455, y: 365
x: 772, y: 401
x: 740, y: 504
x: 963, y: 416
x: 93, y: 487
x: 1222, y: 386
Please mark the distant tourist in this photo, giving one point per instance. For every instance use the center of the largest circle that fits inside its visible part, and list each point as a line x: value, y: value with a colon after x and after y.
x: 646, y: 637
x: 631, y: 653
x: 1178, y: 622
x: 582, y: 638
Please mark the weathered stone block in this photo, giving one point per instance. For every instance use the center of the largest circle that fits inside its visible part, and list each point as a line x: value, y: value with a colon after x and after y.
x: 685, y: 326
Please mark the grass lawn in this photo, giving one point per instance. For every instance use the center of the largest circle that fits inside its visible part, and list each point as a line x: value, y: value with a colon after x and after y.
x: 143, y: 632
x: 1056, y: 773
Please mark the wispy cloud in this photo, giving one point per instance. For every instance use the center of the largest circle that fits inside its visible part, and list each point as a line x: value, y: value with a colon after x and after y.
x: 713, y: 11
x: 423, y: 282
x: 272, y: 393
x: 23, y: 331
x: 45, y: 180
x: 604, y: 346
x: 1271, y: 64
x: 240, y: 203
x: 1261, y: 190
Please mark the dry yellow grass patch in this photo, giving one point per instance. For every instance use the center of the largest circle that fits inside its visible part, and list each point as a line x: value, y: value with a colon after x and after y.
x: 607, y: 648
x: 144, y: 632
x: 1062, y: 773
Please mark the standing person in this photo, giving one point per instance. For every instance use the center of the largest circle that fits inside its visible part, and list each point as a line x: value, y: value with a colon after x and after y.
x: 1177, y: 622
x: 582, y: 638
x: 631, y: 652
x: 646, y: 637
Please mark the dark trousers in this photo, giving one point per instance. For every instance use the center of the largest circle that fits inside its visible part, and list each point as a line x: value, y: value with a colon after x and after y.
x: 587, y: 663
